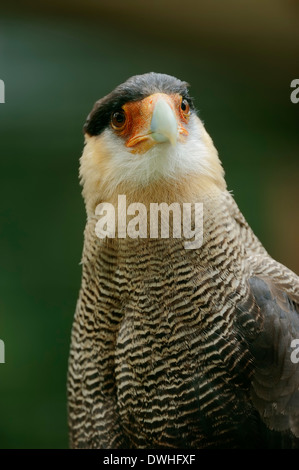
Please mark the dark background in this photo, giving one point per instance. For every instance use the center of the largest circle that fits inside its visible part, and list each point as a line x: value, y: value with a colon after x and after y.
x: 56, y: 59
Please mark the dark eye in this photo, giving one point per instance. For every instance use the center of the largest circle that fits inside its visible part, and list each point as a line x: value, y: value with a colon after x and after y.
x: 185, y: 107
x: 118, y: 119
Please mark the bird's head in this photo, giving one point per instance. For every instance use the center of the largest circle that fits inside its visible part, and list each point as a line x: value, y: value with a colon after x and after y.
x: 146, y: 132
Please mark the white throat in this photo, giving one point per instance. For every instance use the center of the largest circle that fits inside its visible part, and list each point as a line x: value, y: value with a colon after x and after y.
x: 163, y: 160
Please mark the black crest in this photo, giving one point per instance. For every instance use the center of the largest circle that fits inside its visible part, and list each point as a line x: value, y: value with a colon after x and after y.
x: 134, y: 89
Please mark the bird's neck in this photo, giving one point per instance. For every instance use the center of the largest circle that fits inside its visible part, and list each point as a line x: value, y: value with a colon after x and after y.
x: 191, y: 193
x: 188, y: 189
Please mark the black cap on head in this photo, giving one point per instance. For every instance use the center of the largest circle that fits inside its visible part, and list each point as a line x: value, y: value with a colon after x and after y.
x: 135, y: 88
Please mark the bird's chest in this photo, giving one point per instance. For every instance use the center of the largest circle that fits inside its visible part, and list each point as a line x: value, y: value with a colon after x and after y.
x: 157, y: 360
x: 167, y: 345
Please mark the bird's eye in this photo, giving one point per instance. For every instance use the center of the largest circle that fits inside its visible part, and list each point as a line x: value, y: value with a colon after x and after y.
x: 185, y: 107
x: 118, y: 119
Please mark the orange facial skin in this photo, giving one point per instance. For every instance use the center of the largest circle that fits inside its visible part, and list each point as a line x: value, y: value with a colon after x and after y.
x: 136, y: 128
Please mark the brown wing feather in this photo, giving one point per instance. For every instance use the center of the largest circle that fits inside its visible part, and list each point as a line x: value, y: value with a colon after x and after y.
x: 275, y: 381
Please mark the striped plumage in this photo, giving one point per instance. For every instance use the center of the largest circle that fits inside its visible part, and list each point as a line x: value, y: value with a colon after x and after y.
x: 181, y: 348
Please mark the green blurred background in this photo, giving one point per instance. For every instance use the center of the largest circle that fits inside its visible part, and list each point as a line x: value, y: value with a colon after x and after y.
x: 56, y: 59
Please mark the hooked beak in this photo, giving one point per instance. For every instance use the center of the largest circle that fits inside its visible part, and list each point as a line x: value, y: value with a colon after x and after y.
x: 164, y: 126
x: 153, y: 120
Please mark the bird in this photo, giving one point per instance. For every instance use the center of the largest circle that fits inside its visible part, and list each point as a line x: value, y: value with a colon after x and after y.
x: 172, y: 347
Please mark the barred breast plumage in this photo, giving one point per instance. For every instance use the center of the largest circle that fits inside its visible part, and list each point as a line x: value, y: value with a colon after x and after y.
x: 181, y: 348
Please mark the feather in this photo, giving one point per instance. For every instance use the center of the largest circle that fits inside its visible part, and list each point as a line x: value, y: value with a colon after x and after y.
x: 176, y: 348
